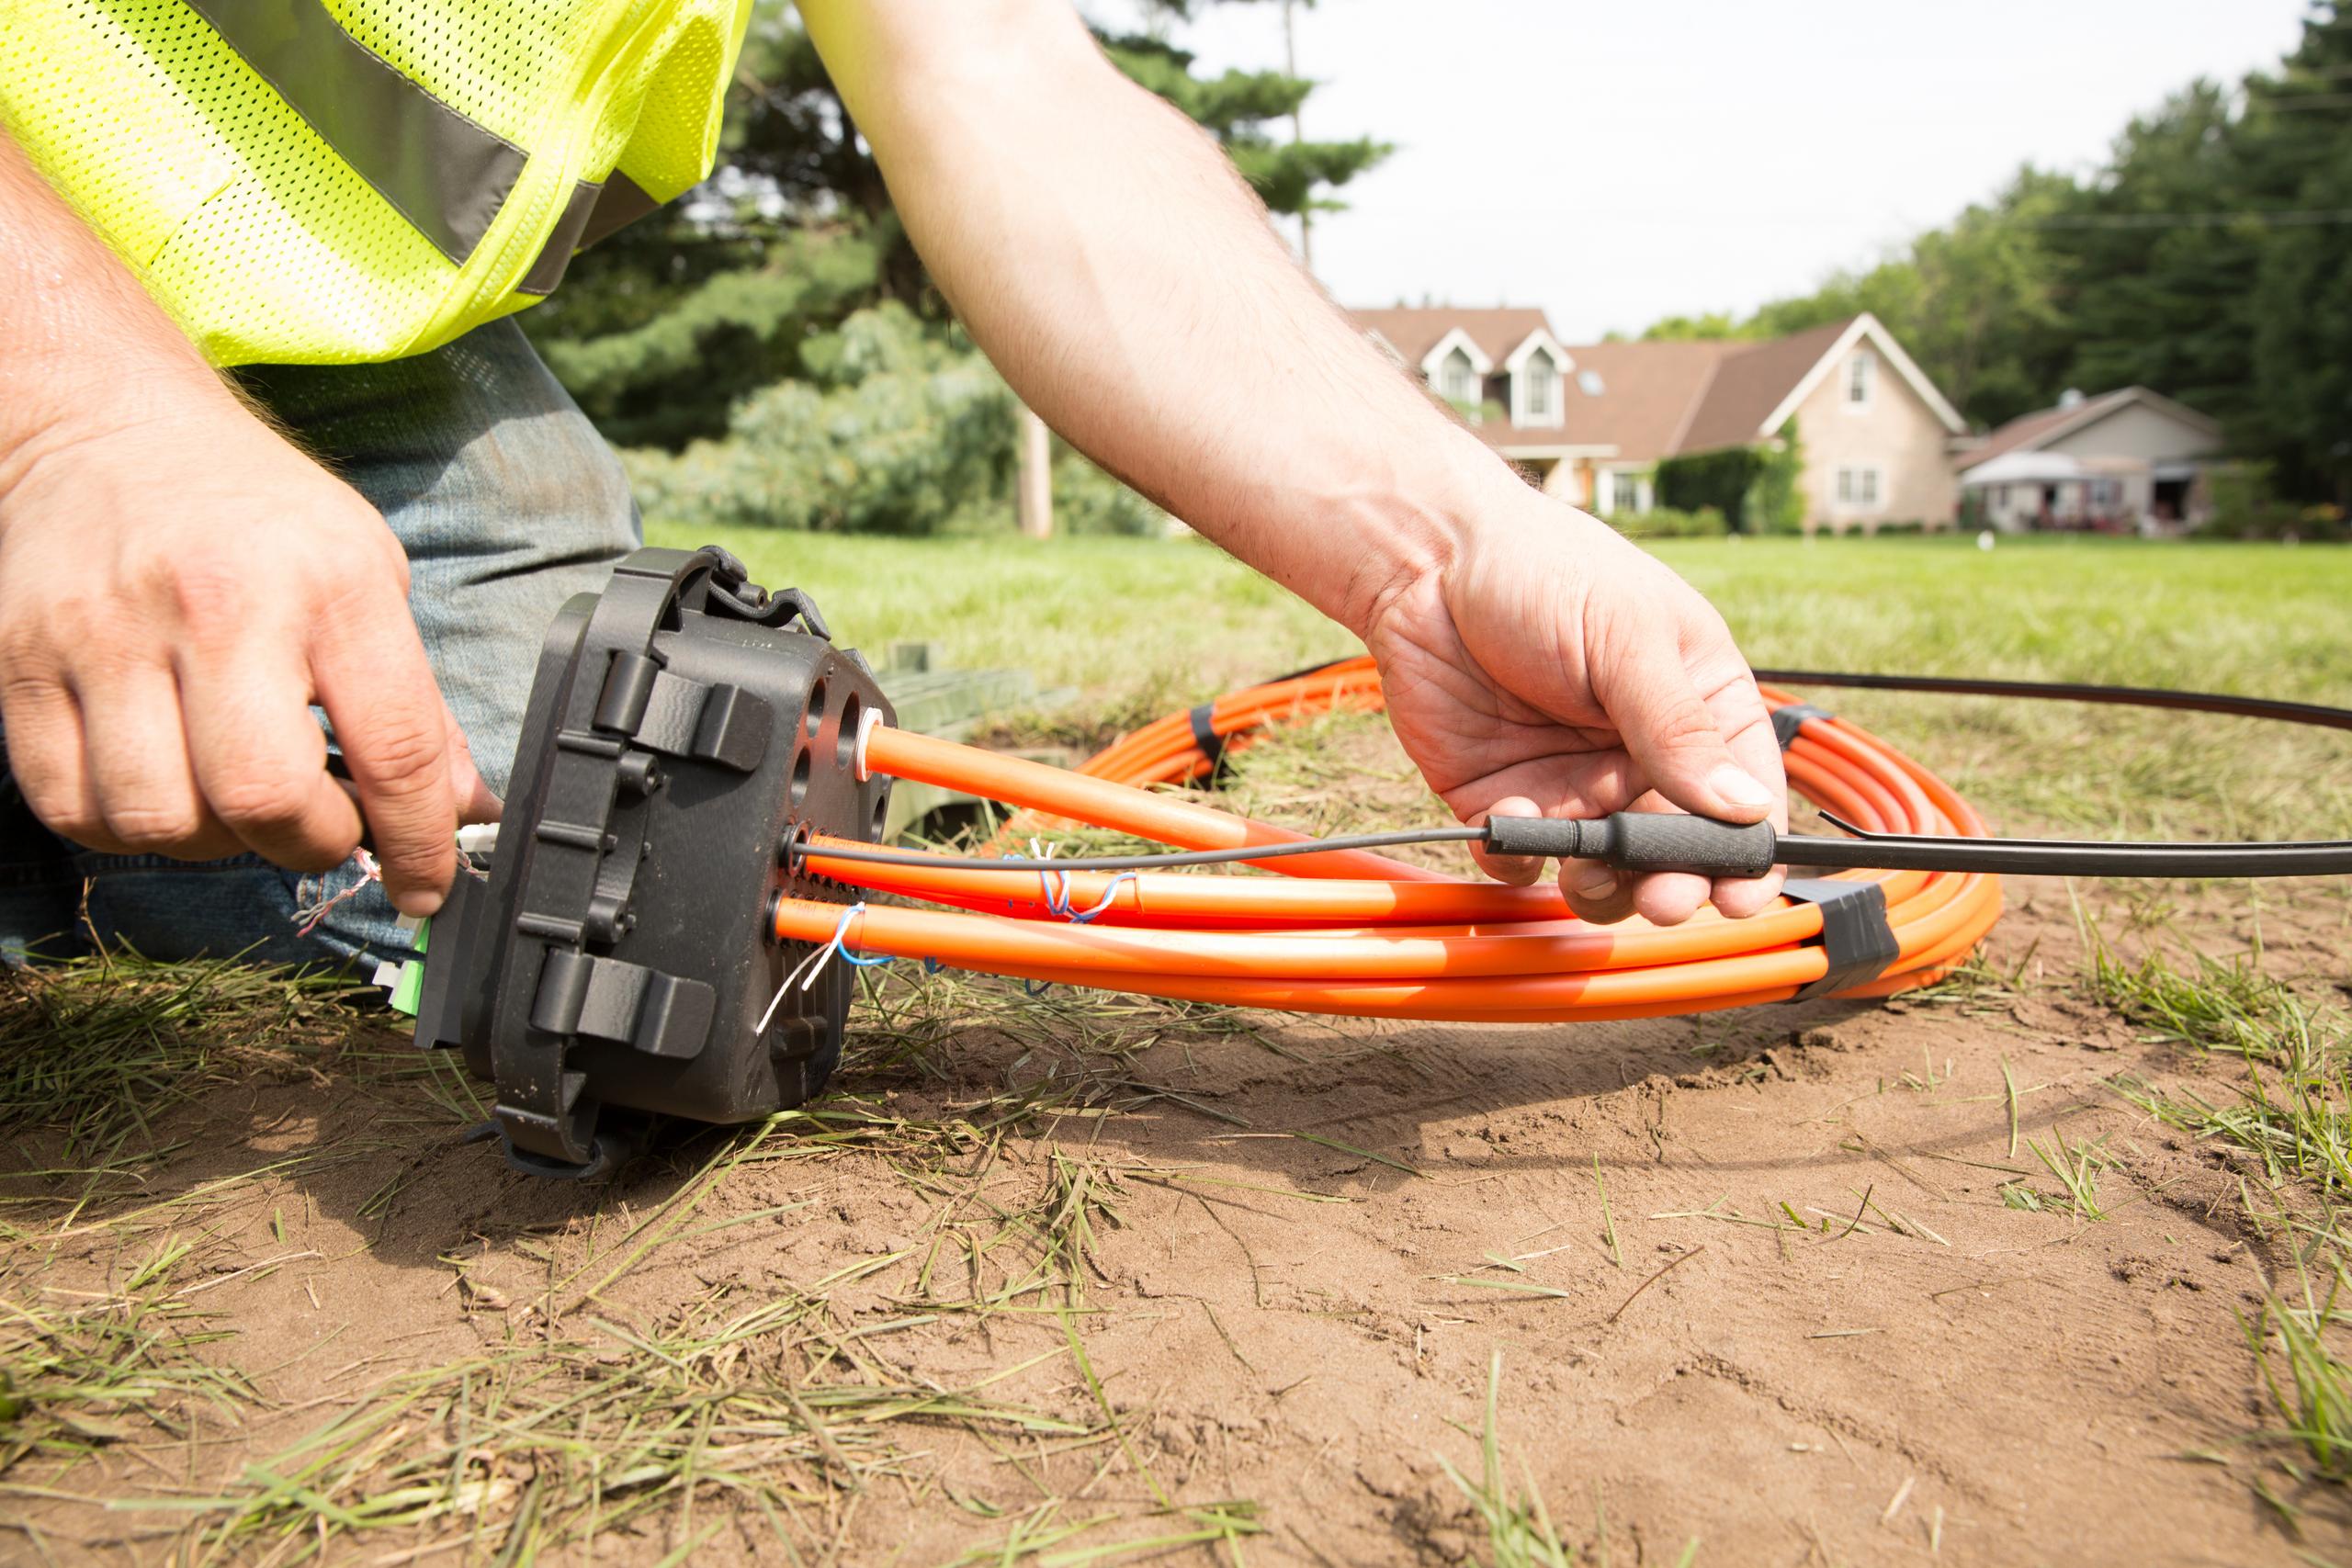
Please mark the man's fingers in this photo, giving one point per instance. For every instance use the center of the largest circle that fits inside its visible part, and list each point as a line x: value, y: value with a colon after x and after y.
x: 477, y: 802
x: 1669, y: 898
x: 260, y: 763
x: 390, y: 720
x: 1673, y: 736
x: 1519, y: 871
x: 46, y: 757
x: 136, y: 754
x: 1595, y: 892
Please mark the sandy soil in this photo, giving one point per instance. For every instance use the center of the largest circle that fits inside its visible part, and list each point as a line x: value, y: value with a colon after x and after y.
x: 1921, y: 1374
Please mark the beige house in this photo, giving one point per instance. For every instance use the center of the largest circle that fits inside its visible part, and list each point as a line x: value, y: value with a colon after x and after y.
x: 1592, y: 421
x: 2126, y: 461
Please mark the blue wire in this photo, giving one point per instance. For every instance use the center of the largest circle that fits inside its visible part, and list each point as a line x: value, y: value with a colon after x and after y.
x: 1057, y: 898
x: 1109, y: 894
x: 839, y: 943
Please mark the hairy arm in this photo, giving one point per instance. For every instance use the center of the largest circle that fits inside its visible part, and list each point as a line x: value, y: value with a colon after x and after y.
x: 1102, y: 251
x: 178, y: 584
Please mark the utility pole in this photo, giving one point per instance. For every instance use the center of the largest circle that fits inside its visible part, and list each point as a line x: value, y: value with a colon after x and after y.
x: 1298, y: 131
x: 1032, y: 485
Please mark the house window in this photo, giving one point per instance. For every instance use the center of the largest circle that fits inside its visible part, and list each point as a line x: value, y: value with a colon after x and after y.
x: 1623, y: 494
x: 1858, y: 488
x: 1861, y: 378
x: 1457, y: 379
x: 1541, y: 394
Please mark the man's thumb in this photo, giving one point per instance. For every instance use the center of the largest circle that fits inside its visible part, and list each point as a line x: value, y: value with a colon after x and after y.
x: 1675, y: 740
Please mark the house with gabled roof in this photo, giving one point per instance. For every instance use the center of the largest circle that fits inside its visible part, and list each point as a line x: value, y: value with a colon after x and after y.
x: 2130, y: 459
x: 1592, y: 422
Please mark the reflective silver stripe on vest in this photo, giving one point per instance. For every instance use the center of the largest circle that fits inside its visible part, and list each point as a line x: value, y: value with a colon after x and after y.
x: 445, y: 174
x: 590, y: 213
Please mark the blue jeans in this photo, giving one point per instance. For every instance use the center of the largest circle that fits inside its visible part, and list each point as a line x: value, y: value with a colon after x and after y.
x: 507, y: 502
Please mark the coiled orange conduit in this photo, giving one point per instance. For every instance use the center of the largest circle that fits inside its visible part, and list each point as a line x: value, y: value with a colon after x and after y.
x: 1357, y: 933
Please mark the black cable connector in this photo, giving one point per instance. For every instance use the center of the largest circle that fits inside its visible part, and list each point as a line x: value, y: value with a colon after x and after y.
x: 1641, y: 842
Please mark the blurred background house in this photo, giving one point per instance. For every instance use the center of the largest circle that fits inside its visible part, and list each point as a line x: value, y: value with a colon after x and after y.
x: 2126, y: 461
x: 1620, y: 427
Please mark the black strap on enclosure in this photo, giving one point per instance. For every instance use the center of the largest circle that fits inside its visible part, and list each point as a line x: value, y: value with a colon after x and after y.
x: 1205, y: 736
x: 1787, y: 721
x: 1855, y: 933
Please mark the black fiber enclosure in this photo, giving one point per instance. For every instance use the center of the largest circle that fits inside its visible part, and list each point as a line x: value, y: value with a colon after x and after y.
x: 684, y: 725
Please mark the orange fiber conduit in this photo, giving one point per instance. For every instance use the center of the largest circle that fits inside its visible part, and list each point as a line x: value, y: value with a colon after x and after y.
x: 1354, y: 932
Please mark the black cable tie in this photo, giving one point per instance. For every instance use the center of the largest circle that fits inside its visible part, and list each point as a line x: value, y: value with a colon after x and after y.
x: 1205, y: 736
x: 1855, y: 933
x: 1788, y: 720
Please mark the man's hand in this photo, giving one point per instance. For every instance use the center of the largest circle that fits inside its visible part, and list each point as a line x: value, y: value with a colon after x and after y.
x: 1548, y: 667
x: 177, y: 585
x: 173, y: 594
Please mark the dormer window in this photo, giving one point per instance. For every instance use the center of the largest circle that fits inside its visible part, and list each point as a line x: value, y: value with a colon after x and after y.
x: 1457, y: 379
x: 1535, y: 367
x: 1543, y: 392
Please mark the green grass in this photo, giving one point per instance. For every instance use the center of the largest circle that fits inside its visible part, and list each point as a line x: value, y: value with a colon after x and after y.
x: 2290, y: 1113
x: 2292, y: 1109
x: 2309, y: 1386
x: 1516, y: 1522
x: 95, y: 1049
x: 1143, y: 627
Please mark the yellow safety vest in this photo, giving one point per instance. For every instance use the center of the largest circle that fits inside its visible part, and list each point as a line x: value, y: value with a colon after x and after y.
x: 335, y: 180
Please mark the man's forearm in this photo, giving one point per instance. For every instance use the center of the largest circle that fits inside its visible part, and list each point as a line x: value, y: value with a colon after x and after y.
x: 82, y: 346
x: 1105, y: 256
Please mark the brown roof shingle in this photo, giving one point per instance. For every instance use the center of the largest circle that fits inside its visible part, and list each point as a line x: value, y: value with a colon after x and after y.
x: 1648, y: 391
x: 2028, y: 429
x: 1751, y: 382
x: 1413, y: 330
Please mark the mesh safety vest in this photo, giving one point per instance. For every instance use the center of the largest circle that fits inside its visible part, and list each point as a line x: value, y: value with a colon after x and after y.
x: 332, y: 181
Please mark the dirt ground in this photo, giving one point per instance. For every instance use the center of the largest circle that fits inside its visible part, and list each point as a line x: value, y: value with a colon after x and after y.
x: 1055, y: 1276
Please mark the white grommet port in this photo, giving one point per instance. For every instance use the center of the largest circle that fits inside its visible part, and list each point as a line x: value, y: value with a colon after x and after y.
x: 866, y: 724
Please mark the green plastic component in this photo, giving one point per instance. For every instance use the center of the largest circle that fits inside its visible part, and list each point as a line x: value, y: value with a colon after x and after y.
x: 411, y: 988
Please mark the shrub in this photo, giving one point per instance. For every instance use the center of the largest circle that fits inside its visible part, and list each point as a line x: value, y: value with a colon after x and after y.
x: 1087, y: 500
x: 896, y: 430
x: 1754, y: 488
x: 1671, y: 523
x: 2245, y: 506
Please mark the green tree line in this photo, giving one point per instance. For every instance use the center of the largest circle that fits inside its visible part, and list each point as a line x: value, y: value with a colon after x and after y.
x: 2209, y: 259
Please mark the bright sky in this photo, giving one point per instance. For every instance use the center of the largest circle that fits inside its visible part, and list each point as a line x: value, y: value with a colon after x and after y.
x: 1616, y: 162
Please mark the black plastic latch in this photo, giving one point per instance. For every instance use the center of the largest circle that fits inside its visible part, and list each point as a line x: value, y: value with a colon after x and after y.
x: 1787, y: 721
x: 1855, y: 933
x: 1205, y: 736
x: 662, y: 1015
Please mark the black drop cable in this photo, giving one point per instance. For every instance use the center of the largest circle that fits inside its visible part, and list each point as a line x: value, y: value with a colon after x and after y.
x: 2317, y: 714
